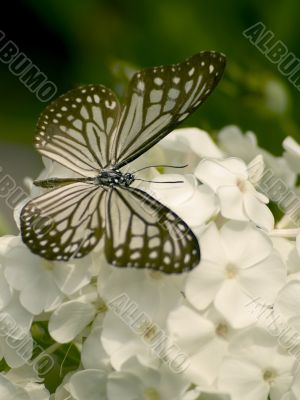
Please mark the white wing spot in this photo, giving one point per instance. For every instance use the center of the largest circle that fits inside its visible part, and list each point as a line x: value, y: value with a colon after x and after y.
x: 89, y: 99
x: 176, y: 80
x: 191, y: 71
x: 202, y: 63
x: 188, y: 86
x: 84, y: 112
x: 211, y: 68
x: 173, y: 93
x: 78, y: 100
x: 158, y: 81
x: 96, y: 98
x: 110, y: 105
x: 156, y: 95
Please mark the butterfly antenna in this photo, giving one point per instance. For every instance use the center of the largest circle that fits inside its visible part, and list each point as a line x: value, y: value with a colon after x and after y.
x: 154, y: 166
x: 144, y: 180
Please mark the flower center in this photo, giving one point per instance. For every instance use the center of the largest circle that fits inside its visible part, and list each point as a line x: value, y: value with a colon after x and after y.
x: 222, y: 329
x: 151, y: 394
x: 48, y: 265
x: 242, y: 185
x: 101, y: 306
x: 231, y: 271
x: 269, y: 375
x: 156, y: 275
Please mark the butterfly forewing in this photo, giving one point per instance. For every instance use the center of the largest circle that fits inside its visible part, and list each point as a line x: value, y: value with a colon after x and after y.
x: 143, y: 233
x: 75, y: 129
x: 159, y: 99
x: 66, y: 222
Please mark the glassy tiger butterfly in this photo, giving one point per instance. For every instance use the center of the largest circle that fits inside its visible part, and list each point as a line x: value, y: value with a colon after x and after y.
x: 90, y: 133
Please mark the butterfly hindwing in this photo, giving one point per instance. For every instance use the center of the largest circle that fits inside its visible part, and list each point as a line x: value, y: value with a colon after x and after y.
x: 143, y: 233
x: 75, y: 129
x: 159, y: 99
x: 65, y: 223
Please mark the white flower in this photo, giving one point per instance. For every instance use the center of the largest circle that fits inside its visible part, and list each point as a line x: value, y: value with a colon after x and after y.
x: 139, y: 302
x: 188, y: 146
x: 71, y: 317
x: 22, y: 384
x: 133, y: 382
x: 256, y: 367
x: 294, y: 392
x: 204, y: 339
x: 16, y: 343
x: 236, y: 144
x: 238, y: 263
x: 192, y: 202
x: 233, y: 182
x: 42, y: 284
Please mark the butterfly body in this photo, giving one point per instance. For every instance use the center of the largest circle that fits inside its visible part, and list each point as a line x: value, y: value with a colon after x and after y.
x: 113, y: 177
x: 90, y: 133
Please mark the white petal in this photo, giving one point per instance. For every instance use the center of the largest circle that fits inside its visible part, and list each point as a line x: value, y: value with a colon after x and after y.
x: 42, y: 295
x: 192, y: 139
x: 17, y: 352
x: 5, y: 291
x: 234, y: 142
x: 231, y: 301
x: 72, y: 277
x: 189, y: 329
x: 288, y: 301
x: 9, y: 391
x: 203, y: 283
x: 244, y: 244
x: 89, y: 384
x: 93, y: 355
x: 232, y: 203
x: 242, y: 380
x: 69, y: 320
x: 21, y: 318
x: 258, y: 212
x: 264, y: 279
x: 124, y: 386
x: 214, y: 174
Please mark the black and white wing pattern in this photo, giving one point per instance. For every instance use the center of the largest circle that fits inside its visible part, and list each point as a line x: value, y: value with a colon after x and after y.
x: 159, y: 99
x: 143, y: 233
x: 75, y: 129
x: 65, y: 223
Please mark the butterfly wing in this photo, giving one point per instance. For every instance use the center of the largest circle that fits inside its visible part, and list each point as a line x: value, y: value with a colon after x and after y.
x: 74, y: 130
x: 143, y: 233
x: 159, y: 99
x: 65, y: 223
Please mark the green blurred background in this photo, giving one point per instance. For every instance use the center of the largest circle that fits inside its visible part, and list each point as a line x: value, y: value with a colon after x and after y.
x: 104, y: 41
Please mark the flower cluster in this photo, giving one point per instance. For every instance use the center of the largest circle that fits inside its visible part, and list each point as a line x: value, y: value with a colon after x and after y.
x: 227, y: 330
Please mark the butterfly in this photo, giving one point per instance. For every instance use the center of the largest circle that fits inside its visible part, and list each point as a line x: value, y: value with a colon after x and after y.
x: 87, y: 131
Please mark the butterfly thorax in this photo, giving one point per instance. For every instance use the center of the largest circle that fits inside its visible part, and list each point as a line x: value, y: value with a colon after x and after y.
x: 112, y: 177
